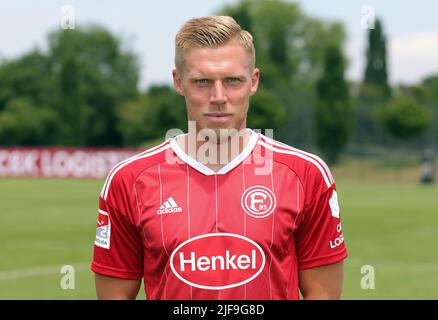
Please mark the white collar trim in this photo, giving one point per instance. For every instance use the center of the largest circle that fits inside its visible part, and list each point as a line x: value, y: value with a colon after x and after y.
x: 206, y: 170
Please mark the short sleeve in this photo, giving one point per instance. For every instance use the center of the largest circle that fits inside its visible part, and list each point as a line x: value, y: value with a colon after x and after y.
x: 118, y: 248
x: 319, y: 238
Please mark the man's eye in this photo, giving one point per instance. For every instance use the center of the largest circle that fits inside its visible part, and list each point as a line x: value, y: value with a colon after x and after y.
x: 202, y: 82
x: 234, y: 80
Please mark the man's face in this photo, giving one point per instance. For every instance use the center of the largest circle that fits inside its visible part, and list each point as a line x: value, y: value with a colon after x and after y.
x: 217, y: 84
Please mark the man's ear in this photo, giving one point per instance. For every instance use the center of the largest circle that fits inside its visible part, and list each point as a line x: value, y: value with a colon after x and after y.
x: 177, y: 82
x: 254, y: 81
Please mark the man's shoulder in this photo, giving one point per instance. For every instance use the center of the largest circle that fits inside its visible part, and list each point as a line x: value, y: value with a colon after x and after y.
x: 307, y: 166
x: 126, y: 171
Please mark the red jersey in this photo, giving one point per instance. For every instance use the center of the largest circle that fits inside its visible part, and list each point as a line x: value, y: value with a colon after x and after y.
x: 241, y: 233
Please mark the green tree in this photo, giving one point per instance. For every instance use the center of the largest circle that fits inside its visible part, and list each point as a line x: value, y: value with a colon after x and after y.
x: 22, y: 123
x: 426, y: 93
x: 94, y: 75
x: 266, y: 111
x: 133, y: 121
x: 373, y: 92
x: 168, y: 110
x: 376, y: 66
x: 28, y: 77
x: 333, y: 111
x: 81, y: 78
x: 289, y: 53
x: 404, y: 117
x: 241, y: 13
x: 152, y: 115
x: 26, y: 88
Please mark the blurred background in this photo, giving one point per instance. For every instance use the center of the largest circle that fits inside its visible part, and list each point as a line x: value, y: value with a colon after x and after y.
x: 354, y: 81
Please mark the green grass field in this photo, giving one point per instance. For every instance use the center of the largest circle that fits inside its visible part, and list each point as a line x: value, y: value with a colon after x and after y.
x: 47, y: 223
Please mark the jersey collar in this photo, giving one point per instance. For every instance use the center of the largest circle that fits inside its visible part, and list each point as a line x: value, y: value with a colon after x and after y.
x: 206, y: 170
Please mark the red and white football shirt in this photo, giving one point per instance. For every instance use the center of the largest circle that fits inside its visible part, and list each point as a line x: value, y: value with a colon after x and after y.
x: 240, y: 233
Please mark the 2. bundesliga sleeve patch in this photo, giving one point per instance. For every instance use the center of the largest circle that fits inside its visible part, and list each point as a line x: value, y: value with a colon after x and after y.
x: 103, y: 230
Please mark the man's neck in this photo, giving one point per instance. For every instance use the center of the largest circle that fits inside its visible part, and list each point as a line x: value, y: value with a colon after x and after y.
x: 215, y: 154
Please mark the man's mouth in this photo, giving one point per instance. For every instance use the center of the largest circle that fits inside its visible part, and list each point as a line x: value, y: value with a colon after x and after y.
x: 219, y: 117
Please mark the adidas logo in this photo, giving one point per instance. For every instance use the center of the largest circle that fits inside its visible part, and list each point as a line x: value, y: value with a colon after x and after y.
x: 169, y: 206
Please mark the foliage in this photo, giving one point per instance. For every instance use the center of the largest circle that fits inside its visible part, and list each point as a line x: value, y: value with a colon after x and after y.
x: 373, y: 92
x: 333, y: 112
x: 21, y: 122
x: 289, y: 53
x: 404, y: 117
x: 27, y: 77
x: 266, y: 111
x: 94, y: 75
x: 80, y: 80
x: 151, y: 115
x: 376, y: 66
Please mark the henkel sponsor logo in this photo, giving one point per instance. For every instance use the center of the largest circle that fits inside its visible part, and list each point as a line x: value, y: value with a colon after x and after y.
x: 217, y: 261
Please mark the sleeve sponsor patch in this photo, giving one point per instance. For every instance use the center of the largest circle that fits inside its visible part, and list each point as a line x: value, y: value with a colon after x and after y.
x: 103, y: 230
x: 334, y: 204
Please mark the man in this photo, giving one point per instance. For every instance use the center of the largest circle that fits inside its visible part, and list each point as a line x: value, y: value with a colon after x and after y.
x: 222, y: 212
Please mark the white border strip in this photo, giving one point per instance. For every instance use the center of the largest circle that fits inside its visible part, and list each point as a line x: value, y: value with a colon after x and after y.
x: 294, y: 153
x: 189, y: 160
x: 245, y: 153
x: 287, y: 147
x: 206, y: 170
x: 110, y: 178
x: 105, y: 185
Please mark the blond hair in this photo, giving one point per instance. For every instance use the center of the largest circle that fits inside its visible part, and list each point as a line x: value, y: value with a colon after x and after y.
x: 211, y: 32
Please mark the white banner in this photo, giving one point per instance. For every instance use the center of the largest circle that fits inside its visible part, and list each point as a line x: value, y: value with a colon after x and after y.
x: 61, y: 162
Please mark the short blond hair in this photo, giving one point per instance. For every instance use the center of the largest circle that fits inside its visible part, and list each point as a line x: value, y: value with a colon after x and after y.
x: 211, y: 32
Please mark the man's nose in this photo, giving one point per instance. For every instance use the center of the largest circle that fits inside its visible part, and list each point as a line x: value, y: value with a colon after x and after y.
x: 218, y: 94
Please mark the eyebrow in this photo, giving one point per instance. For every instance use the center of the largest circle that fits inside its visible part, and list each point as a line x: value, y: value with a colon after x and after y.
x: 201, y: 76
